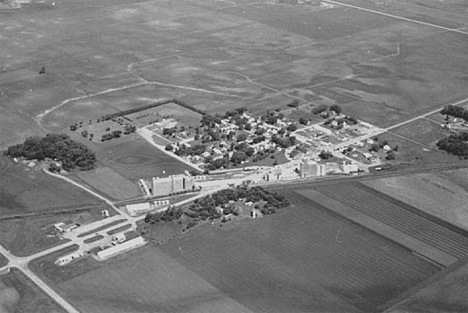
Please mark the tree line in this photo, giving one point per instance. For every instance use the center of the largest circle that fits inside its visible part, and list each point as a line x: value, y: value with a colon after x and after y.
x: 456, y: 144
x: 55, y: 146
x: 455, y: 111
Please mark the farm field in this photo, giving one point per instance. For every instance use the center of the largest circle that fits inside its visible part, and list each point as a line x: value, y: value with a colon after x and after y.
x: 446, y: 293
x: 19, y: 294
x: 400, y: 216
x: 292, y: 261
x: 442, y: 194
x: 217, y: 55
x: 25, y: 190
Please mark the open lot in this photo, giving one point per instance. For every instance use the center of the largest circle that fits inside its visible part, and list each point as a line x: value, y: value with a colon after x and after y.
x: 19, y: 294
x: 26, y: 190
x: 301, y: 259
x: 443, y: 194
x: 217, y: 55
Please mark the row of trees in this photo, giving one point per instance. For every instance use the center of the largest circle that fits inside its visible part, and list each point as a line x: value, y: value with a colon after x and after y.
x: 205, y: 208
x: 455, y: 111
x: 456, y: 144
x: 55, y: 146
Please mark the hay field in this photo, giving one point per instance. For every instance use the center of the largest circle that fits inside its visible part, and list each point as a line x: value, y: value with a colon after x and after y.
x: 443, y: 194
x: 25, y: 190
x: 301, y: 259
x: 106, y: 56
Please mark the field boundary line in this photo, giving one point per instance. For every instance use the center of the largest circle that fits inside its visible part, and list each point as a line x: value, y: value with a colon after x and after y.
x: 397, y: 17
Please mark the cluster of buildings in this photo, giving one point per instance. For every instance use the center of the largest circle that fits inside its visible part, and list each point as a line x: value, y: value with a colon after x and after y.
x: 312, y: 168
x: 165, y: 186
x: 145, y: 207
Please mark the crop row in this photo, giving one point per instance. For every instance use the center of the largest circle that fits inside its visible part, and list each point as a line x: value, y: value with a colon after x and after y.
x: 399, y: 218
x: 316, y: 248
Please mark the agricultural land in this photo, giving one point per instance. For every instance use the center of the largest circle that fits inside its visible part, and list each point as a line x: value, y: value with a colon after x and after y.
x: 233, y: 156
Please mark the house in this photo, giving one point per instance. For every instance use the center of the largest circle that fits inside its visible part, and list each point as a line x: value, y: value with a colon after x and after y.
x: 387, y: 148
x: 65, y: 228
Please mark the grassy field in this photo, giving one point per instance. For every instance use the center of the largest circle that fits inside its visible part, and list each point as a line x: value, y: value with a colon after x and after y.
x: 129, y: 158
x: 416, y: 153
x: 19, y: 294
x: 109, y: 182
x: 25, y: 190
x: 27, y: 236
x: 301, y: 259
x: 443, y: 194
x: 218, y: 55
x: 424, y: 131
x: 3, y: 260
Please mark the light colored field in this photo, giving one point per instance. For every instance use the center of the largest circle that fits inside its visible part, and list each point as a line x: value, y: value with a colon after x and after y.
x: 157, y: 283
x: 444, y: 194
x: 110, y: 182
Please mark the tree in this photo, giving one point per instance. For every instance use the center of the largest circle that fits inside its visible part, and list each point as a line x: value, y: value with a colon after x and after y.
x: 169, y: 147
x: 42, y: 70
x: 336, y: 108
x: 390, y: 155
x: 293, y: 104
x: 303, y: 121
x: 291, y: 127
x: 319, y: 109
x: 325, y: 155
x: 241, y: 137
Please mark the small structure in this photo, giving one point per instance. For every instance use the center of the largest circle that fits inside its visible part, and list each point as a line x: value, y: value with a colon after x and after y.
x: 118, y: 238
x: 120, y: 248
x: 105, y: 213
x: 65, y: 228
x: 64, y: 260
x: 138, y: 208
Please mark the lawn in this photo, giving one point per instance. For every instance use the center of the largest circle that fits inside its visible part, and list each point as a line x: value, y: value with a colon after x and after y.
x: 443, y: 194
x: 19, y: 294
x: 110, y: 183
x: 26, y: 190
x: 301, y: 259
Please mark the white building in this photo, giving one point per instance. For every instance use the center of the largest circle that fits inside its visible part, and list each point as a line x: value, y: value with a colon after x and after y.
x: 349, y: 167
x: 138, y: 208
x: 64, y: 260
x: 123, y: 247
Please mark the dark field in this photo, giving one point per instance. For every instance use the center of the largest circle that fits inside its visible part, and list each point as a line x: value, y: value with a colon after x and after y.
x: 301, y: 259
x: 25, y: 190
x: 106, y: 56
x: 3, y: 260
x: 19, y: 294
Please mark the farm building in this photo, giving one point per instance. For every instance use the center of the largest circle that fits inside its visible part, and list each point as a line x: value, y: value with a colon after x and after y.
x: 138, y: 208
x: 123, y: 247
x: 65, y: 228
x: 64, y: 260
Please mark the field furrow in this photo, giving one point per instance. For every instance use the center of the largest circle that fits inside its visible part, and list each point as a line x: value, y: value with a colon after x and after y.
x: 408, y: 222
